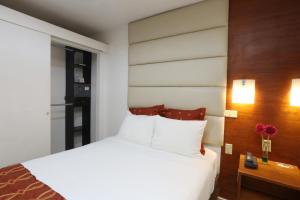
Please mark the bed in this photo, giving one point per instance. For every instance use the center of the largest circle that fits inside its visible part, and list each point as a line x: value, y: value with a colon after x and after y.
x: 112, y: 169
x: 151, y: 157
x: 115, y: 169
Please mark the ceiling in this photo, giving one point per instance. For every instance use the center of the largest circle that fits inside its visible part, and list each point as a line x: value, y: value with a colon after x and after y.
x: 88, y: 17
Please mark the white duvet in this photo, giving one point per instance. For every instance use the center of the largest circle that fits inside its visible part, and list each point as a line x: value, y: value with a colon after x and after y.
x: 114, y: 169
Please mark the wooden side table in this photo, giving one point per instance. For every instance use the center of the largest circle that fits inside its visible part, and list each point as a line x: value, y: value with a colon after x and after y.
x: 274, y: 172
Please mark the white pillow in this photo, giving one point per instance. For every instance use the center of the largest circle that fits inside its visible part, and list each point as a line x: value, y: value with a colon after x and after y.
x: 137, y: 128
x: 178, y: 136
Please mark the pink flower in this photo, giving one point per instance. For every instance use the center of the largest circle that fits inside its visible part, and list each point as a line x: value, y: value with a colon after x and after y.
x: 270, y: 130
x: 260, y: 128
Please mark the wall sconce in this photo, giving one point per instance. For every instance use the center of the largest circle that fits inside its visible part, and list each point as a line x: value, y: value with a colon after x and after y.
x: 243, y: 91
x: 295, y: 93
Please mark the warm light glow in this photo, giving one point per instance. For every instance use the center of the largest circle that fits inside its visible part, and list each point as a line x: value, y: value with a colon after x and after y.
x: 243, y: 91
x: 295, y: 93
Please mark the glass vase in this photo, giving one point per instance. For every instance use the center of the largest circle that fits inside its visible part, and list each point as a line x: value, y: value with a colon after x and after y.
x: 265, y: 151
x: 265, y: 157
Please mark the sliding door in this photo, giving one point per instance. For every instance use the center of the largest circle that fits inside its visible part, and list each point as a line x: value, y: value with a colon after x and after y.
x: 24, y: 94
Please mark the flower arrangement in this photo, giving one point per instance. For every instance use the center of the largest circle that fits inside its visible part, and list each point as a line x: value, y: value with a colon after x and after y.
x: 267, y: 132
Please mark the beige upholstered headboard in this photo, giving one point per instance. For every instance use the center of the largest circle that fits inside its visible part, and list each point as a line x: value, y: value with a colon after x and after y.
x: 179, y: 58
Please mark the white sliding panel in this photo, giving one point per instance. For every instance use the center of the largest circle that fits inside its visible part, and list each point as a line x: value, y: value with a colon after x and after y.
x: 25, y: 94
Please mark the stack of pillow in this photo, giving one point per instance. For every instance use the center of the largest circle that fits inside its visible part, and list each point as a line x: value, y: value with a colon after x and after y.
x: 172, y: 130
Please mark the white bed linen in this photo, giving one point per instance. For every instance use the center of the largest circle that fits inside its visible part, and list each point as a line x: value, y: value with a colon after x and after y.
x: 115, y: 169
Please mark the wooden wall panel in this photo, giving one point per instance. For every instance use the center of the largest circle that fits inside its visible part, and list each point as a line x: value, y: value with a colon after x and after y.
x: 264, y: 44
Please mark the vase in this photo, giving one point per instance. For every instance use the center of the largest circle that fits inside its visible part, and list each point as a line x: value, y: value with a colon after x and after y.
x: 265, y: 157
x: 265, y: 151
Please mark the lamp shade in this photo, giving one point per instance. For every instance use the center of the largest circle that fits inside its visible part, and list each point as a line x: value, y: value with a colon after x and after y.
x: 243, y: 91
x: 295, y: 93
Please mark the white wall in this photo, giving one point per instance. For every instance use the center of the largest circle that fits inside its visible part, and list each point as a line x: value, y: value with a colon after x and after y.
x: 58, y: 92
x: 114, y: 80
x: 95, y: 97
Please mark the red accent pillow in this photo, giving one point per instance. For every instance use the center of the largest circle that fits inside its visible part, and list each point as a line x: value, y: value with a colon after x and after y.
x: 197, y: 114
x: 202, y: 149
x: 154, y: 110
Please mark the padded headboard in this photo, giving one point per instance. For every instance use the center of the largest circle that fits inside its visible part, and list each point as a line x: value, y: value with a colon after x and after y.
x: 179, y: 58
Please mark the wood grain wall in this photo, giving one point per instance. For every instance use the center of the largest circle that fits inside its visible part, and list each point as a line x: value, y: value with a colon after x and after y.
x: 264, y: 44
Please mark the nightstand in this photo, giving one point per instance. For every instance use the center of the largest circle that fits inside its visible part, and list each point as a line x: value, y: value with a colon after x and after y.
x: 275, y: 173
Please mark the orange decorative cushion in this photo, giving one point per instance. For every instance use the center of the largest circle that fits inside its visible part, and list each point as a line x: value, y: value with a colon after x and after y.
x: 154, y: 110
x: 197, y: 114
x: 202, y: 149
